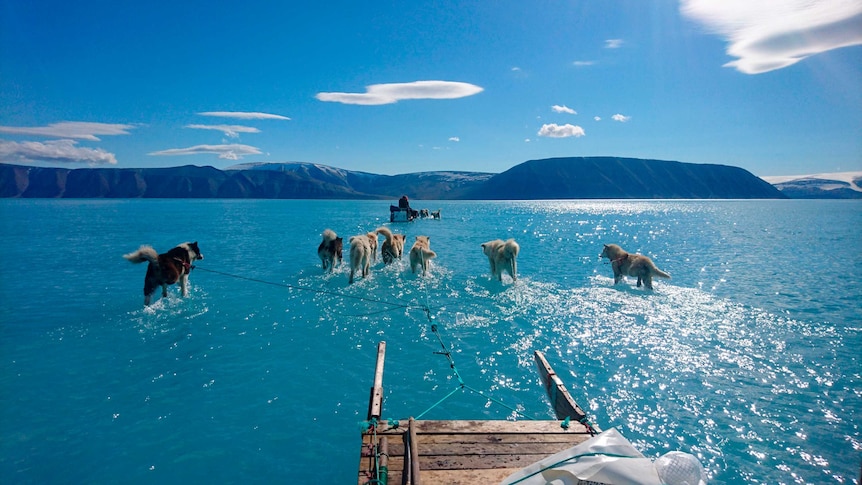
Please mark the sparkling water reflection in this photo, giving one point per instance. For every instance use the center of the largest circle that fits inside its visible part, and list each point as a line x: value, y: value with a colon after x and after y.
x: 747, y: 358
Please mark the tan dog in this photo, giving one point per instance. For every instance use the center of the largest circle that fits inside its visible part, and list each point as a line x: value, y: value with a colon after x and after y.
x: 393, y: 247
x: 421, y: 253
x: 330, y: 249
x: 626, y: 264
x: 360, y: 255
x: 503, y: 256
x: 372, y: 243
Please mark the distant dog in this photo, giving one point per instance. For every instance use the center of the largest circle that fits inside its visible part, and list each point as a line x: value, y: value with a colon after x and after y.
x: 166, y: 269
x: 435, y: 214
x: 423, y: 213
x: 330, y: 249
x: 503, y: 256
x: 360, y: 255
x: 626, y: 264
x: 421, y: 253
x: 393, y: 247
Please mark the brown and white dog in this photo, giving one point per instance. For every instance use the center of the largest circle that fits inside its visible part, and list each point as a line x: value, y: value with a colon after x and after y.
x: 503, y: 256
x: 166, y: 269
x: 421, y: 253
x: 627, y: 264
x: 360, y: 254
x: 330, y: 249
x: 393, y: 247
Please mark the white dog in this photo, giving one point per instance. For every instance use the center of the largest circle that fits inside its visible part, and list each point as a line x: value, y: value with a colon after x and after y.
x: 503, y: 256
x: 421, y: 253
x: 360, y: 255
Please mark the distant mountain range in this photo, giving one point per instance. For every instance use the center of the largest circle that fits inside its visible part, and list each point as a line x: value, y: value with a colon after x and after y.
x: 837, y: 185
x: 554, y: 178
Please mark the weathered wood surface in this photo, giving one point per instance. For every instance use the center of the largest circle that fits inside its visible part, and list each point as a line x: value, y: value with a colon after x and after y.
x: 562, y: 402
x: 472, y: 451
x: 375, y: 401
x: 465, y: 451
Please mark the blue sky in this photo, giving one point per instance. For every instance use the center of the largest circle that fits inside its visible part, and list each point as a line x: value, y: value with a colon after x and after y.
x: 773, y: 86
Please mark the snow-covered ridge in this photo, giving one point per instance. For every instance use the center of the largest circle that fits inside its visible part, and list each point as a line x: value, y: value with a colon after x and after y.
x: 829, y: 181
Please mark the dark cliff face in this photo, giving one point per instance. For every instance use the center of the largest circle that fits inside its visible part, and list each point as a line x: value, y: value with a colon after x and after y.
x: 622, y: 178
x: 557, y: 178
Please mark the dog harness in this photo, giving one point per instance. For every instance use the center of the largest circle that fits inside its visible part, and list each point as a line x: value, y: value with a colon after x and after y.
x: 186, y: 265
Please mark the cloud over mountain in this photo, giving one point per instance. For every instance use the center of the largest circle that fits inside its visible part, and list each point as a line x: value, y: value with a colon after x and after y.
x: 244, y: 115
x: 554, y: 130
x: 226, y: 152
x: 378, y: 94
x: 82, y: 130
x: 56, y: 151
x: 767, y: 35
x: 232, y: 131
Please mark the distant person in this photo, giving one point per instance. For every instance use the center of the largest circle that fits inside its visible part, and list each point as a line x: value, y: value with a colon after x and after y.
x: 403, y: 203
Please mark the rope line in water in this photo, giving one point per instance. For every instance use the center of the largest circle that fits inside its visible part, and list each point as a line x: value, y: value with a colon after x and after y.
x: 317, y: 290
x: 426, y: 308
x: 461, y: 384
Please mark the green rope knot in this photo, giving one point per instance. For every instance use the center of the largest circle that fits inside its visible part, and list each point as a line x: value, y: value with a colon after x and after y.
x: 367, y: 425
x: 565, y: 423
x: 394, y: 423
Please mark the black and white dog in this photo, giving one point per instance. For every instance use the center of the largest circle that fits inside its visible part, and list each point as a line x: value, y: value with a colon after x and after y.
x: 166, y: 269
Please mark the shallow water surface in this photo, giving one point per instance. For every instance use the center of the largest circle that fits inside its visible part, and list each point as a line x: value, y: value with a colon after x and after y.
x: 748, y: 357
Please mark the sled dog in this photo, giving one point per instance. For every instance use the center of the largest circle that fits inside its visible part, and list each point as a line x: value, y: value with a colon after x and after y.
x: 330, y: 249
x: 503, y: 256
x: 393, y: 247
x: 421, y: 253
x: 166, y: 269
x: 627, y: 264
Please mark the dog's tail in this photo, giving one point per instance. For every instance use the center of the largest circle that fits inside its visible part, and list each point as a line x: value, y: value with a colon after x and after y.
x: 144, y: 253
x: 657, y: 272
x: 329, y: 235
x: 511, y: 249
x: 386, y: 233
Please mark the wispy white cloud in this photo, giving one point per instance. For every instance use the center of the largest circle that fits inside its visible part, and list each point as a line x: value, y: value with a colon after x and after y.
x: 516, y: 68
x: 454, y: 138
x: 244, y: 115
x: 583, y: 63
x: 59, y: 151
x: 231, y: 131
x: 620, y: 118
x: 766, y: 35
x: 613, y: 43
x: 563, y: 109
x: 597, y: 118
x: 227, y: 152
x: 554, y: 130
x: 81, y: 130
x: 378, y: 94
